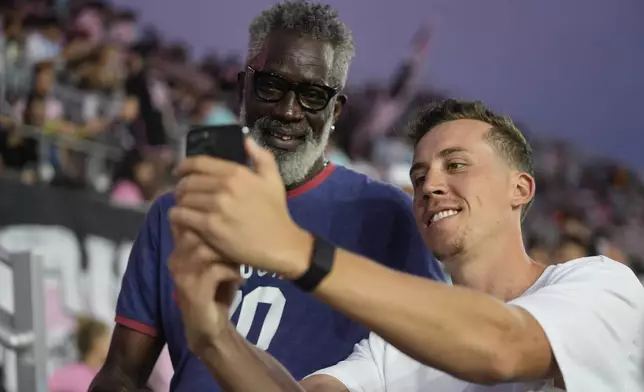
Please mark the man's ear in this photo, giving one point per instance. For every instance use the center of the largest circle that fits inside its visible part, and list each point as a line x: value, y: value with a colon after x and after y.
x: 523, y: 189
x: 340, y: 101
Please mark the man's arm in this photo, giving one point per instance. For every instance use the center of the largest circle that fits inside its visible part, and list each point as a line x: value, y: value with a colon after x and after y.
x: 457, y: 330
x: 231, y: 359
x: 137, y: 340
x: 129, y: 362
x: 473, y: 336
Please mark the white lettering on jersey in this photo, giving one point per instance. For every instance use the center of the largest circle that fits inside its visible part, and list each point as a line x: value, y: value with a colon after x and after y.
x: 271, y: 296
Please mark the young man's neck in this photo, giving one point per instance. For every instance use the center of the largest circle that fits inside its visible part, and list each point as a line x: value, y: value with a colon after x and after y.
x: 499, y: 267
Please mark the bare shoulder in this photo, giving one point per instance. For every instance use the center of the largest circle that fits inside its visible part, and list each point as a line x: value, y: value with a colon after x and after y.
x: 323, y: 383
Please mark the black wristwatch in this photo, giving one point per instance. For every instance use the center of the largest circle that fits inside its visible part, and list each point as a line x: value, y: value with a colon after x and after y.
x: 322, y: 257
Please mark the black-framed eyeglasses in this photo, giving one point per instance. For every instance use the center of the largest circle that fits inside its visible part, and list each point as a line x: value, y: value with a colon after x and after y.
x: 271, y: 87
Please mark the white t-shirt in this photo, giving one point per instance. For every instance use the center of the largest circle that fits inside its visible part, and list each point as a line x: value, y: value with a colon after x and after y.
x: 592, y: 311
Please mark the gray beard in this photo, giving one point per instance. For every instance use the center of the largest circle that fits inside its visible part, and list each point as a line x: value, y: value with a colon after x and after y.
x: 294, y: 166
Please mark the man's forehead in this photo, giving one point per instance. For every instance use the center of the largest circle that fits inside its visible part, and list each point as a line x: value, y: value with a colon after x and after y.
x: 295, y: 57
x: 459, y: 136
x: 463, y: 133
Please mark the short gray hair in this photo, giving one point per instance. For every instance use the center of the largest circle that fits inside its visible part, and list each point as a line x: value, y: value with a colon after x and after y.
x: 306, y: 18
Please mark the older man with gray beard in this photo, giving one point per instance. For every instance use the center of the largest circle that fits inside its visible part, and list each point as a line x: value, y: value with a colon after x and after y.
x: 296, y: 163
x: 291, y: 93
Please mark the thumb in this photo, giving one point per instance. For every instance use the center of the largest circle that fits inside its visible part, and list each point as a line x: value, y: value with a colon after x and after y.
x: 262, y: 160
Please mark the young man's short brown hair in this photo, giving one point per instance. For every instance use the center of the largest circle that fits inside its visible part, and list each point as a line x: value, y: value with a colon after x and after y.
x: 504, y: 136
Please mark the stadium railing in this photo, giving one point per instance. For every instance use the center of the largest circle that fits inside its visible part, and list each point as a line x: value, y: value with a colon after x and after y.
x: 22, y: 329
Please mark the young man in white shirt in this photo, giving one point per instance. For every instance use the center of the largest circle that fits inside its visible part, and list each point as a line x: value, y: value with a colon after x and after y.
x: 509, y: 323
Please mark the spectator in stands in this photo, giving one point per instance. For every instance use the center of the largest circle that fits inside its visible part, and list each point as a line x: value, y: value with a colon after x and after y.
x: 43, y: 78
x: 125, y: 124
x: 92, y: 343
x: 123, y: 29
x: 40, y: 94
x: 137, y: 85
x: 12, y: 36
x: 77, y: 47
x: 18, y: 154
x: 136, y: 180
x: 26, y: 149
x: 110, y: 70
x: 21, y: 152
x: 92, y: 18
x: 99, y: 71
x: 184, y: 100
x: 45, y: 40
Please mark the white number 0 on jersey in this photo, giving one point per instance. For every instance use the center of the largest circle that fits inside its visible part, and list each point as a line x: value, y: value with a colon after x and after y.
x: 271, y: 296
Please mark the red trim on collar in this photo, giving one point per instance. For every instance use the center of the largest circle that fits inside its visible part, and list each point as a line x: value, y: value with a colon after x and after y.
x: 313, y: 182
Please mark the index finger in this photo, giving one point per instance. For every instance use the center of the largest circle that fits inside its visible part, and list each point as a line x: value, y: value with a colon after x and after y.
x: 203, y: 164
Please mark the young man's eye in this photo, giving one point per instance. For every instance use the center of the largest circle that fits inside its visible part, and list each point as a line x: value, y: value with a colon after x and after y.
x: 455, y: 165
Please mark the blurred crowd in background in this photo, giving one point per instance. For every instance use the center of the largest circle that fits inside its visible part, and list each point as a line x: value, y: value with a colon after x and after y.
x: 95, y: 102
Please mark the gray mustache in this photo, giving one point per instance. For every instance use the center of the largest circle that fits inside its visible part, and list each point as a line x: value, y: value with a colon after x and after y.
x: 267, y: 124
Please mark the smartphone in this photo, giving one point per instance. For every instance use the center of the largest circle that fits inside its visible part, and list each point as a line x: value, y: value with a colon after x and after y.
x: 218, y: 141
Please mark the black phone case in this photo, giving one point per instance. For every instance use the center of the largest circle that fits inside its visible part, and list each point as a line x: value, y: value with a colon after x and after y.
x: 223, y: 142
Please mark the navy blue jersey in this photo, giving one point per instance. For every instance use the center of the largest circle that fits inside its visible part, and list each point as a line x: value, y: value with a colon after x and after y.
x: 364, y: 216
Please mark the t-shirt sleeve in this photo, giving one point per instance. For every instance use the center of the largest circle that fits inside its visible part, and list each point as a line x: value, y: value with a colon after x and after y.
x: 407, y: 250
x: 137, y: 307
x: 363, y: 370
x: 593, y: 318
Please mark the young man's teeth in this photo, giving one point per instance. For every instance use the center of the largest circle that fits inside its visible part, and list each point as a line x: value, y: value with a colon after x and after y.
x: 443, y: 214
